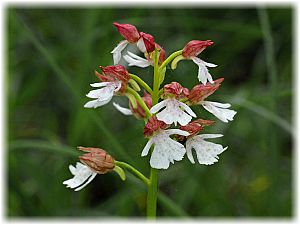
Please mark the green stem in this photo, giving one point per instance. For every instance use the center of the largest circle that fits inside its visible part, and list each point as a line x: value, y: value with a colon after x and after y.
x: 152, y: 194
x: 140, y: 101
x: 170, y: 58
x: 160, y: 92
x: 141, y: 82
x: 152, y: 188
x: 133, y: 170
x: 155, y: 95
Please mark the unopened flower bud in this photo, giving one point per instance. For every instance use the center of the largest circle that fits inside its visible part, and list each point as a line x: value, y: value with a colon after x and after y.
x: 201, y: 91
x: 128, y: 31
x: 148, y: 40
x: 153, y: 125
x: 162, y: 53
x: 114, y: 73
x: 194, y: 127
x: 97, y: 160
x: 175, y: 89
x: 195, y: 47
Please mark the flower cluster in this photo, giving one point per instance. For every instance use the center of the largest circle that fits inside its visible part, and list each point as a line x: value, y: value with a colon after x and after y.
x: 167, y: 111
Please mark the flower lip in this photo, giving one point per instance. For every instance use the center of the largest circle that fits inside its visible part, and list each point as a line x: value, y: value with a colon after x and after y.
x: 175, y: 89
x: 148, y: 40
x: 201, y: 91
x: 97, y: 159
x: 207, y: 152
x: 195, y: 47
x: 83, y: 175
x: 128, y: 31
x: 153, y: 125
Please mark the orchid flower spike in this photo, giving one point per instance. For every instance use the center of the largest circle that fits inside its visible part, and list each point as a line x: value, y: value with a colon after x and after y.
x: 115, y: 80
x: 166, y: 149
x: 172, y: 110
x: 220, y: 110
x: 191, y: 51
x: 95, y: 161
x: 145, y: 42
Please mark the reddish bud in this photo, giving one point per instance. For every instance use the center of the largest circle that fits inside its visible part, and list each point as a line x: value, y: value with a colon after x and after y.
x: 128, y: 31
x: 162, y: 55
x: 97, y: 159
x: 195, y: 47
x: 113, y: 73
x: 194, y: 127
x: 139, y: 111
x: 153, y: 125
x: 148, y: 41
x: 175, y: 89
x: 201, y: 91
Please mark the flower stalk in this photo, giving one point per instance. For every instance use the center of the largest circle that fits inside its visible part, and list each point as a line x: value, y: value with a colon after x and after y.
x: 133, y: 170
x: 153, y: 187
x: 141, y: 82
x: 170, y: 59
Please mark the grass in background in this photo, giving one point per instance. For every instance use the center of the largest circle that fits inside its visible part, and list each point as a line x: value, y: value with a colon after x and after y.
x: 52, y: 55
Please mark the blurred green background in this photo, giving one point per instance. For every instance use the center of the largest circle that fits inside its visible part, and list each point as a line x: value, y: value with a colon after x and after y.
x: 52, y: 54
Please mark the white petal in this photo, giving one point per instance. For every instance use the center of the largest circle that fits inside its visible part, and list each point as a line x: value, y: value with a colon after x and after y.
x: 102, y: 84
x: 141, y: 45
x: 165, y: 151
x: 224, y: 115
x: 134, y: 56
x: 86, y: 183
x: 72, y: 169
x: 81, y: 174
x: 203, y: 74
x: 177, y: 131
x: 147, y: 147
x: 96, y: 103
x: 117, y: 52
x: 102, y: 93
x: 189, y: 153
x: 91, y: 104
x: 220, y: 105
x: 123, y: 110
x: 158, y: 106
x: 187, y: 109
x: 209, y: 64
x: 207, y: 136
x: 135, y: 60
x: 159, y: 159
x: 207, y: 152
x: 173, y: 112
x: 166, y: 117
